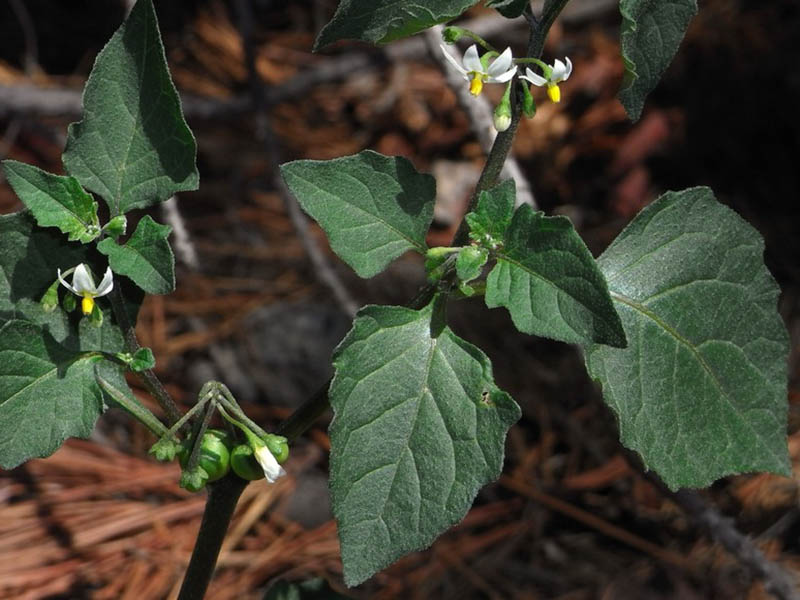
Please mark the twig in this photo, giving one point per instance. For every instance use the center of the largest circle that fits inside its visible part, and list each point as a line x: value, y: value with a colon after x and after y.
x: 31, y: 59
x: 479, y: 112
x: 777, y: 581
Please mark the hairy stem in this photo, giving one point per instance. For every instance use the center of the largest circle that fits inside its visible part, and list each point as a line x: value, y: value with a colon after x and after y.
x: 222, y: 498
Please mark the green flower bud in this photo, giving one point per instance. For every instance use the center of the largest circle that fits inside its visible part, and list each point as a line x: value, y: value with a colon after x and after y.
x: 451, y: 34
x: 528, y: 103
x: 502, y: 114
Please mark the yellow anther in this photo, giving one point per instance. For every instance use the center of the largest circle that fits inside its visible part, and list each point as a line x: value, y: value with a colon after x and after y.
x: 476, y: 85
x: 554, y: 93
x: 87, y: 305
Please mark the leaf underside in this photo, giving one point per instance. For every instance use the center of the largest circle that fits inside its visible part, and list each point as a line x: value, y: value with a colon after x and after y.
x: 419, y: 427
x: 381, y: 21
x: 700, y: 392
x: 133, y: 146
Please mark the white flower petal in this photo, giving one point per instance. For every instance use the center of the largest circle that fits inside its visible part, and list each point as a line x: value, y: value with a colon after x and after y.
x: 503, y: 77
x: 501, y: 64
x: 453, y: 61
x: 66, y: 285
x: 82, y: 281
x: 471, y: 60
x: 569, y: 68
x: 107, y: 284
x: 559, y: 68
x: 272, y: 470
x: 534, y: 78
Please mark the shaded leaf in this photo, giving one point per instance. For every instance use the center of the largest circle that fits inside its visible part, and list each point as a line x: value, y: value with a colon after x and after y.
x: 146, y: 257
x: 47, y: 393
x: 509, y: 8
x: 650, y: 35
x: 551, y: 285
x: 700, y: 392
x: 133, y: 146
x: 419, y: 427
x: 373, y: 207
x: 55, y: 201
x: 381, y: 21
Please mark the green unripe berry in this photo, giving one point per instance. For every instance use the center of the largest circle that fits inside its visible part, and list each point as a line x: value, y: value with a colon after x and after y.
x: 244, y: 463
x: 214, y: 456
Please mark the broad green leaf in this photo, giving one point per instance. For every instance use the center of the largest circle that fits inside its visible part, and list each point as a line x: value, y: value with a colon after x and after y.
x: 133, y: 146
x: 510, y: 9
x: 419, y: 427
x: 548, y: 280
x: 373, y: 207
x: 470, y: 261
x: 29, y: 259
x: 493, y: 213
x: 700, y: 392
x: 650, y: 35
x: 47, y: 393
x: 55, y: 201
x: 146, y: 257
x: 381, y: 21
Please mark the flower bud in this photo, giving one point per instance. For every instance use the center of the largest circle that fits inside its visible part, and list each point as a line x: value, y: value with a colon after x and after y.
x: 451, y: 34
x: 528, y: 103
x: 502, y: 114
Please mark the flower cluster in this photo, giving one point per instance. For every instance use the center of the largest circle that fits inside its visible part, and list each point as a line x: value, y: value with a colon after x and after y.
x: 500, y: 68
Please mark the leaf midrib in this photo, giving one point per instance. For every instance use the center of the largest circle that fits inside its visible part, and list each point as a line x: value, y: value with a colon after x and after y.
x: 642, y: 309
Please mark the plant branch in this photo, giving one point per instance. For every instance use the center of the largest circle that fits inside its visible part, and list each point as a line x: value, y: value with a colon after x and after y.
x: 222, y: 498
x: 304, y: 417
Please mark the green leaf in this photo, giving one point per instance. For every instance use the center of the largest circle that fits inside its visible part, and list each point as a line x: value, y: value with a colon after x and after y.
x: 551, y: 285
x: 55, y: 201
x: 700, y: 392
x: 47, y: 393
x: 116, y: 226
x: 29, y: 259
x: 373, y: 207
x: 650, y: 35
x: 146, y: 257
x: 510, y: 9
x: 381, y: 21
x: 492, y: 216
x: 133, y: 146
x: 419, y: 427
x: 142, y: 360
x: 470, y: 261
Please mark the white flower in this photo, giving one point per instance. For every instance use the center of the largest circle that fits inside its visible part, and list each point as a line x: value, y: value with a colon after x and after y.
x: 83, y: 286
x: 554, y: 75
x: 500, y: 71
x: 272, y: 470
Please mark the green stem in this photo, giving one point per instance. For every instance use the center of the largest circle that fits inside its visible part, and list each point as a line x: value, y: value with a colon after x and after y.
x: 148, y: 376
x: 222, y: 498
x: 304, y: 417
x: 134, y: 408
x: 228, y: 401
x: 475, y: 37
